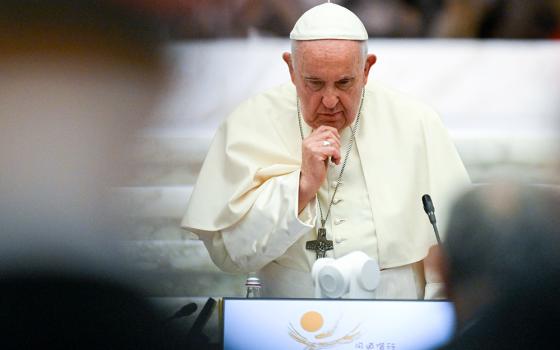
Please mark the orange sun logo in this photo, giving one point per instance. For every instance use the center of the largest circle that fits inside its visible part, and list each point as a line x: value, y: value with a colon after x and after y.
x: 311, y: 321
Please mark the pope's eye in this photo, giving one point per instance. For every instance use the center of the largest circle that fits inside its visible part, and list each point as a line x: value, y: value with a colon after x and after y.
x: 343, y: 84
x: 315, y: 84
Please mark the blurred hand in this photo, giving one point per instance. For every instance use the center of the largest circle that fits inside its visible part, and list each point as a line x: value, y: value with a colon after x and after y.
x: 433, y: 265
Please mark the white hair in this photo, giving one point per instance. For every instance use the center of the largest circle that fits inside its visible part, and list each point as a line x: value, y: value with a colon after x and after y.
x: 363, y: 46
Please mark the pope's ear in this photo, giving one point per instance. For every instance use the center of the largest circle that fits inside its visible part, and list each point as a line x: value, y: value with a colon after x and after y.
x: 370, y: 61
x: 287, y: 57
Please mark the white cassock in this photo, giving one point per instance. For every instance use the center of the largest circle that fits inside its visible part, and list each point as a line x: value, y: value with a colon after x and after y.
x: 244, y: 205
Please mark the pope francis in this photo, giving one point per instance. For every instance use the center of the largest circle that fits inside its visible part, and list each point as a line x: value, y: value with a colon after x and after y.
x: 323, y: 166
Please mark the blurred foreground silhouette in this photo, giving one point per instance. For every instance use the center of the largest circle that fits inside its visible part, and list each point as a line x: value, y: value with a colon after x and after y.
x: 78, y: 79
x: 502, y: 267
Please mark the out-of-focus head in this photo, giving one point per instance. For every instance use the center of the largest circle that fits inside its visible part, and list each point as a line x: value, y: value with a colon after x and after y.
x: 78, y: 78
x: 503, y: 241
x: 329, y: 65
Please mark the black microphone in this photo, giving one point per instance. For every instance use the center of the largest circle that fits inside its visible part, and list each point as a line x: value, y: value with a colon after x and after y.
x: 429, y: 209
x: 186, y: 310
x: 195, y: 335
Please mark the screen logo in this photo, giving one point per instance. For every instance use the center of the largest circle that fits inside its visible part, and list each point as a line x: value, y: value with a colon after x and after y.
x: 317, y: 333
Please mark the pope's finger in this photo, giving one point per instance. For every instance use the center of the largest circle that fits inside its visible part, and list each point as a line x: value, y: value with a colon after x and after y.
x: 333, y: 140
x: 329, y: 143
x: 330, y: 134
x: 335, y: 160
x: 323, y: 128
x: 331, y: 152
x: 335, y: 157
x: 326, y: 131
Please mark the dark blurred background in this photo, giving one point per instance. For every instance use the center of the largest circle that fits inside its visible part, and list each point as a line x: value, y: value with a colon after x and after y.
x: 483, y: 19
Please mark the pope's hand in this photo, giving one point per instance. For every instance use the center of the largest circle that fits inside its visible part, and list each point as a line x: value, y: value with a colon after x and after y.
x: 322, y: 144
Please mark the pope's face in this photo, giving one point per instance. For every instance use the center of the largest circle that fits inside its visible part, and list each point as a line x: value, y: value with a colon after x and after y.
x: 329, y: 76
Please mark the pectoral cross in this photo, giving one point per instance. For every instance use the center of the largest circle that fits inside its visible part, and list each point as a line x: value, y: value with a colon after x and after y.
x: 320, y: 245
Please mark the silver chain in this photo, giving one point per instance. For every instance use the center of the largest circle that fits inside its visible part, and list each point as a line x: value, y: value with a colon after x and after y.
x: 349, y: 148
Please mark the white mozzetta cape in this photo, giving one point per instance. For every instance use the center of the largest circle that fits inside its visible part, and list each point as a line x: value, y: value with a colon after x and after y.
x: 404, y: 150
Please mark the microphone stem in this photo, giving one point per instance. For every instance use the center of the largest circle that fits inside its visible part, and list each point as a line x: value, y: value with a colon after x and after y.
x: 437, y: 233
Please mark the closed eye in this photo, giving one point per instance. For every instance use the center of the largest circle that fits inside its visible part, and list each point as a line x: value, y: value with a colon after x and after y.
x: 344, y: 83
x: 315, y: 84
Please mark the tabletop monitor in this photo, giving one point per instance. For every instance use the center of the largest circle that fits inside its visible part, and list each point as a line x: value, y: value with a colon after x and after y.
x: 335, y: 324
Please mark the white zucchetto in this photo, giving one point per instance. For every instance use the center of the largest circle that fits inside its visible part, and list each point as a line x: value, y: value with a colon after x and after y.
x: 329, y: 21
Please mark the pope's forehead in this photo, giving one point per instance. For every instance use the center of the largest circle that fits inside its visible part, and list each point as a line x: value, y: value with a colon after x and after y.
x: 341, y: 53
x: 329, y: 46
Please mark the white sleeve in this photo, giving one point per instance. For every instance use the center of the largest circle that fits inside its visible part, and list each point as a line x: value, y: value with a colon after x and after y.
x: 270, y: 227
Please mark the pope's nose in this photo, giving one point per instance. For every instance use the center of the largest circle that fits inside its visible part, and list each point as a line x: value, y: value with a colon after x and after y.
x: 330, y: 100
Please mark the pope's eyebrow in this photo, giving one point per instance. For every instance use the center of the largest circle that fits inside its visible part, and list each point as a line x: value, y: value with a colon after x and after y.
x: 345, y: 80
x: 312, y: 78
